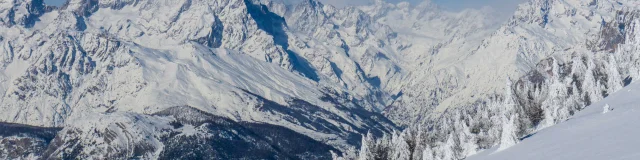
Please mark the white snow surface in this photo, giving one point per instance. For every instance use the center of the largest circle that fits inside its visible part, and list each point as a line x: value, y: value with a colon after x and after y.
x: 143, y: 56
x: 587, y: 135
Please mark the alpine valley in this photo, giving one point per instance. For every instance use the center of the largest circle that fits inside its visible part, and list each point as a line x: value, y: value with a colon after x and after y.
x: 265, y: 79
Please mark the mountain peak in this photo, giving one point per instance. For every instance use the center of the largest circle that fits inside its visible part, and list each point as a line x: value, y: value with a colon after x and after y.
x: 308, y: 72
x: 24, y: 13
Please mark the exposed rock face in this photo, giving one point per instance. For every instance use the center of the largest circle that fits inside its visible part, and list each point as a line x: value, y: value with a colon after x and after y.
x: 232, y: 59
x: 307, y: 73
x: 24, y: 142
x: 181, y: 133
x: 175, y: 133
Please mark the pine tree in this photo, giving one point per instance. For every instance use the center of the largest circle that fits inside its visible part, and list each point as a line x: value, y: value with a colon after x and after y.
x: 427, y: 153
x: 615, y: 80
x: 508, y: 137
x: 400, y: 148
x: 508, y: 119
x: 365, y: 150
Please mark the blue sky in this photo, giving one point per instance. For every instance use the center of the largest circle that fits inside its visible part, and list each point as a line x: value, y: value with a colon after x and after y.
x: 500, y: 5
x: 453, y: 5
x: 54, y: 2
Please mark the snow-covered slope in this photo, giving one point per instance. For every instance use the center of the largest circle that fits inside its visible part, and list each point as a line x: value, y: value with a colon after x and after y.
x: 354, y: 50
x: 227, y: 58
x: 552, y: 59
x: 460, y: 81
x: 539, y: 29
x: 222, y: 57
x: 589, y: 134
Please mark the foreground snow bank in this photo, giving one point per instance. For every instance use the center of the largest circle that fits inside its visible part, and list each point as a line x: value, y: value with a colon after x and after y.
x: 588, y: 135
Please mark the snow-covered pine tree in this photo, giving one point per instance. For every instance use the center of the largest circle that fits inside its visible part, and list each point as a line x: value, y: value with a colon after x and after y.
x: 399, y: 147
x: 615, y: 80
x: 365, y: 149
x: 509, y: 131
x: 508, y: 119
x: 427, y: 153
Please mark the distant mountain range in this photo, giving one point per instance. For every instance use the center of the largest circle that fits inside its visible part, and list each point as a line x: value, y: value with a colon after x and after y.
x: 260, y: 79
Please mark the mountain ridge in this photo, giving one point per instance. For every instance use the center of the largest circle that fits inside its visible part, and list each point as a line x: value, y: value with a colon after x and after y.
x: 331, y: 74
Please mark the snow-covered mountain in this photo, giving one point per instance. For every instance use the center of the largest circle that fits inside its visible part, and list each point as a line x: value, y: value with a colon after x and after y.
x: 149, y: 78
x: 553, y: 58
x: 226, y: 58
